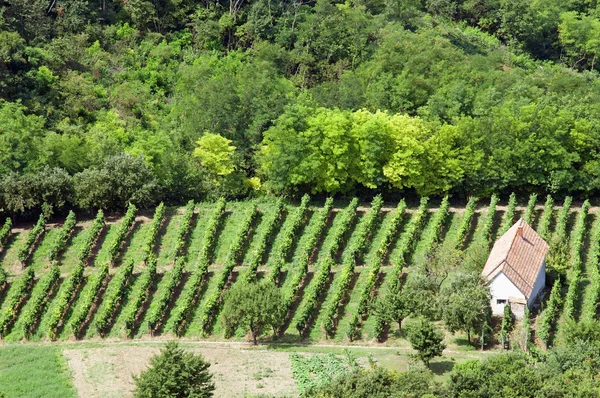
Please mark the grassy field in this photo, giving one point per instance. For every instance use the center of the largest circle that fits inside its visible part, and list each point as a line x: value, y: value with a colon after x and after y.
x: 35, y: 371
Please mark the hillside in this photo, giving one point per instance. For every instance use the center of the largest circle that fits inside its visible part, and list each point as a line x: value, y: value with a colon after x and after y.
x: 261, y: 240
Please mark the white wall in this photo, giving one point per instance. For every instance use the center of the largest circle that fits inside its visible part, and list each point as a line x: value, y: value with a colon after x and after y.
x: 502, y: 288
x: 540, y: 283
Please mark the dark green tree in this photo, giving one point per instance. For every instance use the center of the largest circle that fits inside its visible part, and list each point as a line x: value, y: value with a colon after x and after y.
x: 425, y: 339
x: 175, y: 373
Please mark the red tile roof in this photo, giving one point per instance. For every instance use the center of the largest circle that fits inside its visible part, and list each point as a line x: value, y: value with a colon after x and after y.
x: 519, y: 258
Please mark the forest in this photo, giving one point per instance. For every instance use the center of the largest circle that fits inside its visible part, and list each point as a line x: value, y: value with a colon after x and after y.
x: 105, y: 103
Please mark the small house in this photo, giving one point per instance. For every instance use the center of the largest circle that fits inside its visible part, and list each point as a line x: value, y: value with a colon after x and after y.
x: 516, y: 269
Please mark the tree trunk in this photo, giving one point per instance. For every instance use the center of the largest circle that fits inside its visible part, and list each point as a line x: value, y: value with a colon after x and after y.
x: 469, y: 335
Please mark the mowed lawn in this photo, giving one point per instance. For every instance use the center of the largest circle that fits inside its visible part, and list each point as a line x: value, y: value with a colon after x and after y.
x: 34, y: 371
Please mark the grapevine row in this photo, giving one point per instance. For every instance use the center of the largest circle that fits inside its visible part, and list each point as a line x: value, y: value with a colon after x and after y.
x: 530, y: 208
x: 123, y: 229
x: 32, y: 236
x: 357, y: 243
x: 5, y: 232
x: 339, y: 229
x: 437, y: 222
x: 576, y: 268
x: 153, y: 229
x: 139, y: 295
x: 62, y: 237
x: 190, y: 293
x: 563, y: 217
x: 158, y: 308
x: 544, y: 226
x: 64, y: 300
x: 488, y: 221
x: 257, y: 254
x: 390, y: 231
x: 184, y: 227
x: 113, y: 297
x: 466, y: 221
x: 589, y: 306
x: 92, y: 237
x: 409, y: 236
x: 235, y: 251
x: 210, y: 233
x: 305, y: 250
x: 286, y: 237
x: 550, y: 313
x: 16, y: 296
x: 311, y: 300
x: 509, y: 215
x: 86, y: 301
x: 38, y: 299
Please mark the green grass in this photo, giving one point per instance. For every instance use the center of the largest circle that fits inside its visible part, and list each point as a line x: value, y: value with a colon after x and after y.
x: 34, y: 371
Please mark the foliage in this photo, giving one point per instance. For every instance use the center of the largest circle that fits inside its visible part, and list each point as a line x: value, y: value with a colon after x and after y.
x: 38, y: 299
x: 509, y: 216
x: 184, y: 227
x: 16, y: 295
x: 285, y: 238
x: 153, y: 229
x: 378, y: 382
x: 32, y: 236
x: 575, y: 270
x: 62, y: 237
x: 312, y: 297
x: 123, y: 229
x: 235, y: 251
x: 305, y: 250
x: 544, y: 224
x: 215, y: 154
x: 352, y: 252
x: 529, y: 212
x: 175, y: 373
x: 5, y: 232
x: 64, y: 300
x: 87, y: 299
x: 92, y: 236
x: 252, y: 306
x: 425, y: 339
x: 466, y: 221
x: 162, y: 297
x: 314, y: 371
x: 113, y: 297
x: 256, y: 255
x: 139, y: 295
x: 550, y: 314
x: 508, y: 322
x: 465, y: 304
x: 488, y: 222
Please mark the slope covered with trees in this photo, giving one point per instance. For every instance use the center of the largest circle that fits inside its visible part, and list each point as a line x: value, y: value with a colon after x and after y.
x: 108, y: 102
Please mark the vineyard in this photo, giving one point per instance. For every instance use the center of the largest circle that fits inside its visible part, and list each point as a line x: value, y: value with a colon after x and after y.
x: 164, y: 272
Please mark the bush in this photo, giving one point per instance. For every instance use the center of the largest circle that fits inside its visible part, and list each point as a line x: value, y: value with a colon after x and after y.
x: 175, y: 373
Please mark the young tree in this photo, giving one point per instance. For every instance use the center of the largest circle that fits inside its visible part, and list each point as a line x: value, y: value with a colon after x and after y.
x: 175, y: 373
x: 253, y: 306
x: 507, y: 324
x: 393, y: 306
x: 466, y: 302
x: 425, y: 338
